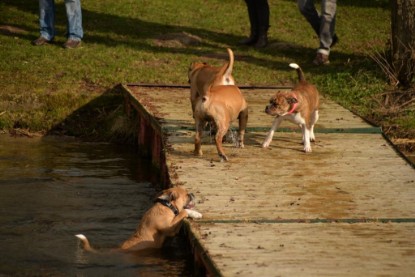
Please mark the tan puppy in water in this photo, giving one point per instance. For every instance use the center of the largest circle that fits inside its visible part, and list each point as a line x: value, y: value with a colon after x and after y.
x: 222, y: 105
x: 202, y: 75
x: 299, y: 106
x: 162, y: 220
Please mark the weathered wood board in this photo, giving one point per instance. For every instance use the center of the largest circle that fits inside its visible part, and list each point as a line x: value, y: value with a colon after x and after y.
x: 252, y: 205
x: 333, y: 249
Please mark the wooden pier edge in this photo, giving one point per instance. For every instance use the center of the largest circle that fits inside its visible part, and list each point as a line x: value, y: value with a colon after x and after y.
x: 148, y: 126
x: 149, y: 135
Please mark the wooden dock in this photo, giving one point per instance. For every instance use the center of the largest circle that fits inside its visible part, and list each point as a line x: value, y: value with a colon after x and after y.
x: 346, y: 209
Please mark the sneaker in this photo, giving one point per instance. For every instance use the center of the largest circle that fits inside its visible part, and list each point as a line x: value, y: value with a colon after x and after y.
x: 321, y: 59
x: 72, y: 44
x: 40, y: 41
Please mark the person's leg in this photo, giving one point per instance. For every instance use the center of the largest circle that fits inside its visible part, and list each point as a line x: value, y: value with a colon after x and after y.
x: 47, y: 19
x: 327, y: 36
x: 253, y: 20
x: 328, y: 21
x: 263, y: 22
x: 308, y: 10
x: 74, y: 17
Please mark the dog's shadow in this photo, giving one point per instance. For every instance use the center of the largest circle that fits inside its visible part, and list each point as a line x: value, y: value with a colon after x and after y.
x: 278, y: 143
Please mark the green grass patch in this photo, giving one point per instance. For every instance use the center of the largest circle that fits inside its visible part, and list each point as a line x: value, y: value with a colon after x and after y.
x: 40, y: 87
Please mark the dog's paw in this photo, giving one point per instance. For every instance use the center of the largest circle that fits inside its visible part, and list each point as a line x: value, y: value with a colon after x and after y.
x: 223, y: 158
x: 193, y: 214
x: 265, y: 144
x: 307, y: 149
x: 198, y: 153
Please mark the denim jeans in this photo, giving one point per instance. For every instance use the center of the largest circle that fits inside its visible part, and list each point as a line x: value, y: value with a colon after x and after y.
x: 47, y: 19
x: 324, y: 23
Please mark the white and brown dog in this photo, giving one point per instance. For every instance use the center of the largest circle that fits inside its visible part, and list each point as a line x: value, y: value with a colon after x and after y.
x: 220, y: 105
x: 202, y: 75
x: 162, y: 220
x: 300, y: 106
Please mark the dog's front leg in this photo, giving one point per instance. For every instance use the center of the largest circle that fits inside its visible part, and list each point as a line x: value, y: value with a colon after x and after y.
x: 270, y: 135
x: 175, y: 225
x: 193, y: 214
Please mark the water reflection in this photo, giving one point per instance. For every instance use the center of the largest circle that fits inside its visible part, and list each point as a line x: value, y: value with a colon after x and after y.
x: 54, y: 188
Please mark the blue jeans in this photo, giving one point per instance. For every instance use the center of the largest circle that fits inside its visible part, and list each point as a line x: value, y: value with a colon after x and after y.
x: 323, y: 24
x: 47, y: 19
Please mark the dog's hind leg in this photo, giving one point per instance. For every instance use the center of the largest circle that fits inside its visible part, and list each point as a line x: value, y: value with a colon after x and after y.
x: 221, y: 132
x: 243, y: 121
x: 198, y: 137
x: 313, y: 120
x: 306, y: 138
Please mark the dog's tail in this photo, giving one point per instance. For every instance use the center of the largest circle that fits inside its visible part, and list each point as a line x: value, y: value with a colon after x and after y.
x: 300, y: 73
x: 231, y: 60
x: 85, y: 243
x: 226, y: 69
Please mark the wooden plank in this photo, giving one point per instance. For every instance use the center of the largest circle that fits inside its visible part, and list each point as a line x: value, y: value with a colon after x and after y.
x: 337, y: 249
x: 252, y: 204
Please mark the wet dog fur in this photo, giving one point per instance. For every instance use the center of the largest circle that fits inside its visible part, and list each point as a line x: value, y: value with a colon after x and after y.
x: 162, y: 220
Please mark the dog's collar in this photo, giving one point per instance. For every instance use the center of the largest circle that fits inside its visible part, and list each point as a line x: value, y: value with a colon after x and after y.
x: 293, y: 107
x: 168, y: 204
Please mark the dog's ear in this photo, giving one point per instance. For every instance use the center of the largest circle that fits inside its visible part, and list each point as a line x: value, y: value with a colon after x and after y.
x: 168, y: 195
x: 173, y: 195
x: 292, y: 100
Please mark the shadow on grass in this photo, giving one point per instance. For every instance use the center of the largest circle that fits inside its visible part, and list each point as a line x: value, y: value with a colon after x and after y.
x: 359, y: 3
x: 114, y: 30
x: 102, y: 119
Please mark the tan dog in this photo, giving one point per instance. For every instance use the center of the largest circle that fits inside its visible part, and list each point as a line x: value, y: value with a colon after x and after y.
x: 299, y: 106
x: 222, y: 105
x: 162, y: 220
x: 202, y: 75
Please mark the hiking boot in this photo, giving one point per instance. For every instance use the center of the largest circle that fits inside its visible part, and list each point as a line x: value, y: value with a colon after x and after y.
x: 251, y: 40
x: 40, y: 41
x: 321, y: 59
x: 262, y: 41
x: 72, y: 44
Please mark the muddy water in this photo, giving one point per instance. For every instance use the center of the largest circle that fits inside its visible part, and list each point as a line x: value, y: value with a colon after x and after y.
x: 54, y: 188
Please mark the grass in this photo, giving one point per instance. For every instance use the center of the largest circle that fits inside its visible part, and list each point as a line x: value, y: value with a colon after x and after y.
x: 42, y: 88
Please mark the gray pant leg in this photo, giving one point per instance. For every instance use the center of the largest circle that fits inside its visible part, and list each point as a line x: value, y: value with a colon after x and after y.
x: 328, y: 21
x: 322, y: 24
